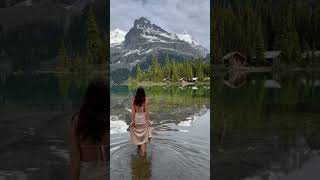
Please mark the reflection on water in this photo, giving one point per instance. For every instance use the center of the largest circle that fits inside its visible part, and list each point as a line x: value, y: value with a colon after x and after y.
x: 179, y: 148
x: 35, y: 111
x: 141, y: 167
x: 266, y: 126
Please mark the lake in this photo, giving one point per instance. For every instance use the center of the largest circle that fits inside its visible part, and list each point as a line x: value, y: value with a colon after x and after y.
x: 35, y: 111
x: 180, y: 147
x: 266, y: 126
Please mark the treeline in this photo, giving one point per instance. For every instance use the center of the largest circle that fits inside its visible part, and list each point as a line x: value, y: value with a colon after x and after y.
x: 94, y: 54
x: 255, y: 26
x: 172, y: 71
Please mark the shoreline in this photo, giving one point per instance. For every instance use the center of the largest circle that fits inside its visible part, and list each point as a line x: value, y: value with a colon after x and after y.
x: 266, y: 69
x: 149, y: 83
x: 39, y: 72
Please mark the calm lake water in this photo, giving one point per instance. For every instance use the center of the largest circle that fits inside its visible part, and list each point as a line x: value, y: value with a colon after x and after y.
x: 180, y: 147
x: 266, y: 126
x: 35, y: 111
x: 34, y: 114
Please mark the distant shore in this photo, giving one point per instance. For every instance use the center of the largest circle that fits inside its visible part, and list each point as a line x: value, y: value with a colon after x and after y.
x: 149, y: 83
x: 264, y: 69
x: 58, y: 72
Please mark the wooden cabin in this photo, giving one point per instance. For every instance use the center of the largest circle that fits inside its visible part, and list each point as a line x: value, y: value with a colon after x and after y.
x: 167, y: 79
x: 195, y: 79
x: 272, y: 58
x: 183, y: 80
x: 234, y: 60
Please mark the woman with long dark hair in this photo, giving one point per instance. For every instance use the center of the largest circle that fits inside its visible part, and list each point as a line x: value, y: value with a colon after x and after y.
x: 140, y: 127
x: 89, y: 135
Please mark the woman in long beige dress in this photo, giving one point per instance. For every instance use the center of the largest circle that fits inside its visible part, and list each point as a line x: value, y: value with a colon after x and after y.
x: 89, y: 135
x: 141, y: 126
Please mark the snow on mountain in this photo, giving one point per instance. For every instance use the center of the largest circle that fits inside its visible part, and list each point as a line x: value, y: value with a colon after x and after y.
x: 117, y: 36
x: 145, y: 39
x: 187, y: 38
x: 152, y: 34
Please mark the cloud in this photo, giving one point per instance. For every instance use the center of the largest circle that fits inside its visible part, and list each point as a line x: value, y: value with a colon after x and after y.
x: 191, y: 16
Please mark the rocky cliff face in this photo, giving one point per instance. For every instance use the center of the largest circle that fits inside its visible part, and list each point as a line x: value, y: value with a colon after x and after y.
x: 145, y: 39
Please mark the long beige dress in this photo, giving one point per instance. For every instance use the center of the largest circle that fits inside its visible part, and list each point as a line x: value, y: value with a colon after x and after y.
x: 142, y: 132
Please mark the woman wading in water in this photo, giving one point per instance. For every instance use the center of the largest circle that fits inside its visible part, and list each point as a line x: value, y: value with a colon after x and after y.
x: 89, y: 135
x: 140, y: 126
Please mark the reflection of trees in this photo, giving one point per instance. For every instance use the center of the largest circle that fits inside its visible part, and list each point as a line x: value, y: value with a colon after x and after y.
x: 168, y: 103
x: 46, y: 89
x: 255, y: 109
x: 141, y: 168
x: 235, y: 78
x: 269, y: 120
x: 174, y: 95
x: 80, y: 81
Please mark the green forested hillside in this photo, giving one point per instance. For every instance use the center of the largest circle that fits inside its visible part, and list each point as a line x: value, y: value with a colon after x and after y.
x: 253, y: 26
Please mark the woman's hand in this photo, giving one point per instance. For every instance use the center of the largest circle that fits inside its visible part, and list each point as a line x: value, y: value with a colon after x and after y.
x: 132, y: 124
x: 150, y: 123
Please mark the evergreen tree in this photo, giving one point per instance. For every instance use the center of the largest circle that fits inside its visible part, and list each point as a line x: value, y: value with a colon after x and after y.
x: 259, y: 46
x: 139, y: 73
x: 64, y: 61
x: 289, y: 25
x: 77, y: 64
x: 94, y: 43
x: 175, y: 76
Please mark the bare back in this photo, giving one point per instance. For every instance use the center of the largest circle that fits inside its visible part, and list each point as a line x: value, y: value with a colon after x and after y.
x: 140, y: 109
x: 88, y: 148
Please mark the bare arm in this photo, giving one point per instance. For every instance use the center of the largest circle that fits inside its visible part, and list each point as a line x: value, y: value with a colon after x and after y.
x: 74, y: 151
x: 147, y: 109
x: 133, y: 111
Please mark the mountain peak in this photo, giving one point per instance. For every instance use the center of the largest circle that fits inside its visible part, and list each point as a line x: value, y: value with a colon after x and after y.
x: 146, y: 35
x: 142, y: 21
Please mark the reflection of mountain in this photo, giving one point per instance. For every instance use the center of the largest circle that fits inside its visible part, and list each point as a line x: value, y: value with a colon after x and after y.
x: 144, y: 39
x: 171, y: 105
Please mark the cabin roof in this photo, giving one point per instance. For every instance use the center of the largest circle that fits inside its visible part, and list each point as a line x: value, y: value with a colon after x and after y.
x: 231, y: 54
x: 271, y: 54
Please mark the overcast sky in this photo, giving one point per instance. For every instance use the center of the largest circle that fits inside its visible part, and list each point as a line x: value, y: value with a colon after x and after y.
x: 191, y: 16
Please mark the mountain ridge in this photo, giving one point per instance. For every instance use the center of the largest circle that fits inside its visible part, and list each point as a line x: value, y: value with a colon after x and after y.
x: 145, y: 39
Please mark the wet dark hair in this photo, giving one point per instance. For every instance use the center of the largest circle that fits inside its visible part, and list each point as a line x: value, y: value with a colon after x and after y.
x: 93, y: 115
x: 140, y: 97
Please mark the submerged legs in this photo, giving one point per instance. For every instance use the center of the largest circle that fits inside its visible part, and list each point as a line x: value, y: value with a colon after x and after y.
x: 143, y: 149
x: 138, y: 148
